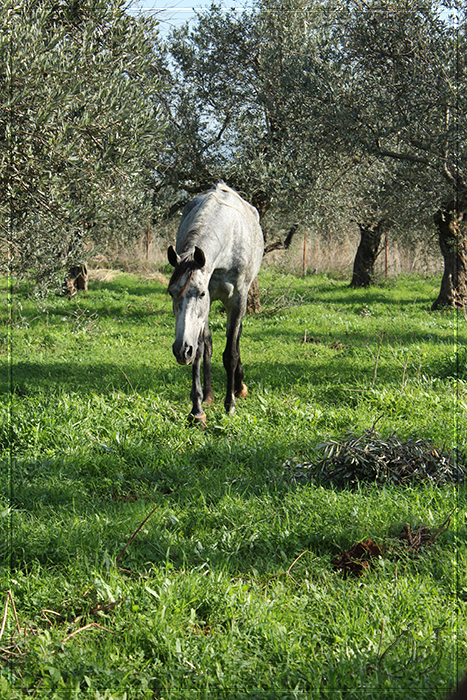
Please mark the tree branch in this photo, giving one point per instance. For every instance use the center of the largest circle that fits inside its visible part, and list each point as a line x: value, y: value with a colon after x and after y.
x: 285, y: 244
x: 403, y: 156
x: 452, y: 175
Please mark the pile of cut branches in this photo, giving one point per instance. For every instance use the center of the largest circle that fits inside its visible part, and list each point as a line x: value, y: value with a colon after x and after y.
x: 370, y: 458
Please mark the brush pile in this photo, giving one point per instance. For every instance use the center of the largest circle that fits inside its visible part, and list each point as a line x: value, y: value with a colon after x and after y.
x: 370, y: 458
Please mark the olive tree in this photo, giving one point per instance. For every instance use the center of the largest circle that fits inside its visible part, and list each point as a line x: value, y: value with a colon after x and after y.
x: 230, y: 110
x: 372, y: 99
x: 78, y: 125
x: 230, y: 113
x: 299, y: 103
x: 405, y: 100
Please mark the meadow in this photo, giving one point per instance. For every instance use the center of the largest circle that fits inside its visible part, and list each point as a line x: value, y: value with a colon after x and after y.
x: 142, y: 558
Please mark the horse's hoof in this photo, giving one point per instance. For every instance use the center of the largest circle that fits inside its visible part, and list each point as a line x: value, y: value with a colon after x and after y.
x: 209, y: 398
x: 242, y: 393
x: 195, y: 420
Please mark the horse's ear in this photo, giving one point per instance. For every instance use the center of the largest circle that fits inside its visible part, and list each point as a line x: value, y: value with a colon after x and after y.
x: 199, y: 257
x: 172, y: 256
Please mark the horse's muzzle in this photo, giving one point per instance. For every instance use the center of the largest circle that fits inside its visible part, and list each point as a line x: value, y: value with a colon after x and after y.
x: 184, y: 353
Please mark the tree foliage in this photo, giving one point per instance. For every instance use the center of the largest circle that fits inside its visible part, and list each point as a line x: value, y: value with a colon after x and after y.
x: 408, y: 68
x: 232, y: 115
x: 78, y: 130
x: 326, y: 112
x: 323, y: 109
x: 407, y: 84
x: 283, y: 99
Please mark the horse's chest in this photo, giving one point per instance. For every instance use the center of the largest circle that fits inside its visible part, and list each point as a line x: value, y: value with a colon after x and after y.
x: 222, y: 285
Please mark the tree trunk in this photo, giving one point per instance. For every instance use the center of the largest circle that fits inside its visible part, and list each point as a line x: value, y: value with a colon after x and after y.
x: 451, y: 223
x: 262, y: 204
x: 77, y: 279
x: 253, y: 304
x: 367, y: 252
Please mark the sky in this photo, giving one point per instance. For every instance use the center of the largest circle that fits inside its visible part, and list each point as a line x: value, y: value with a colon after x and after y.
x: 174, y: 13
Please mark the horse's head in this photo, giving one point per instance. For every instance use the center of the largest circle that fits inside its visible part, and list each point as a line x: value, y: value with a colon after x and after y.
x: 188, y: 288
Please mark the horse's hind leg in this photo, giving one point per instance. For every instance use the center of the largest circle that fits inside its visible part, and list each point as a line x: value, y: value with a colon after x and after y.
x: 240, y: 388
x: 231, y: 358
x: 207, y: 388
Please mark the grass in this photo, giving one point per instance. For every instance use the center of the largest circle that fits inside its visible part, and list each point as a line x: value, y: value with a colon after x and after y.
x: 146, y: 559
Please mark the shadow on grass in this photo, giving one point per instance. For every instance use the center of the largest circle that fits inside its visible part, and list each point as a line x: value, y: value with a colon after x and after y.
x: 320, y: 363
x: 328, y: 335
x: 28, y: 378
x: 200, y: 514
x: 373, y: 295
x: 410, y: 289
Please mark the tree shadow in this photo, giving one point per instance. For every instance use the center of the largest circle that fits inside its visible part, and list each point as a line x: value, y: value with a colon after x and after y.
x: 316, y: 336
x: 211, y: 498
x: 29, y: 378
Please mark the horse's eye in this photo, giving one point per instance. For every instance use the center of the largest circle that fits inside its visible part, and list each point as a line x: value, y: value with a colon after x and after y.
x: 203, y: 294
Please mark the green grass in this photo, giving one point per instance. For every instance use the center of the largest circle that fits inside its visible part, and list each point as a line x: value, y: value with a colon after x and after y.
x: 228, y: 589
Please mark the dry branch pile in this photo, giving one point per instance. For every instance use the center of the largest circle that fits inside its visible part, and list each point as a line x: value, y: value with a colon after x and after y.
x: 370, y: 458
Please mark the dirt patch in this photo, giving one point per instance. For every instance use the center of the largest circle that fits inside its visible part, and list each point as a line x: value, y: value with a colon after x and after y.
x: 103, y: 274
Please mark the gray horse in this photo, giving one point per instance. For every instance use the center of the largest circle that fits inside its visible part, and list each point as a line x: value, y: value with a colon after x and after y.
x: 218, y: 255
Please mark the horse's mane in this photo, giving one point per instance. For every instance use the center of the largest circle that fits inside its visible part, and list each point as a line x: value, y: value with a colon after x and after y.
x: 211, y: 197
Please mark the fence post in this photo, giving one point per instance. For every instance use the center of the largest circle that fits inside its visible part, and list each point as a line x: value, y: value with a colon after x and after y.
x: 386, y: 253
x: 147, y: 241
x: 304, y: 256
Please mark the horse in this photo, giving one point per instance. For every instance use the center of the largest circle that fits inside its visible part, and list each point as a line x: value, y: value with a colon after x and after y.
x: 218, y: 253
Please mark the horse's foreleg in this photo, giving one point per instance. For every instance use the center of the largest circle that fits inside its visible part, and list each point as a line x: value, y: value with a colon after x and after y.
x: 207, y: 388
x: 197, y: 414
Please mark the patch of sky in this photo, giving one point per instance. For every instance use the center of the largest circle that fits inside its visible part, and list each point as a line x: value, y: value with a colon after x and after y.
x: 174, y: 14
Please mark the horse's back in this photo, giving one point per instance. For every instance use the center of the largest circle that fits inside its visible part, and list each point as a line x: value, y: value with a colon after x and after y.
x: 226, y: 227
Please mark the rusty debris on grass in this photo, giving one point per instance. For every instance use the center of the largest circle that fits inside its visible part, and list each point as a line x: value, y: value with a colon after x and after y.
x: 360, y: 558
x: 415, y: 538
